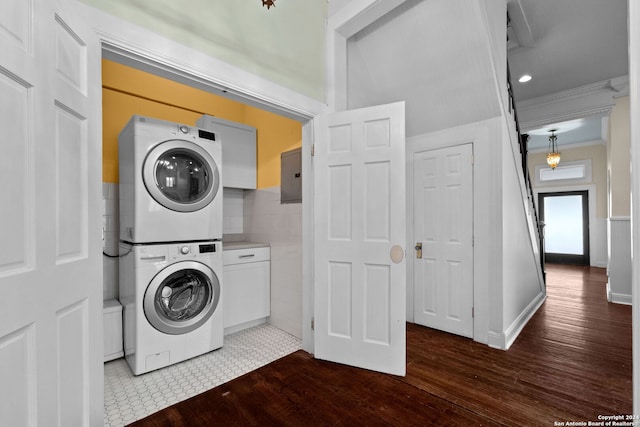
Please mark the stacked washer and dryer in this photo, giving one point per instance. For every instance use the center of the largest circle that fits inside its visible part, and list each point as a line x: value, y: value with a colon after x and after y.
x: 170, y: 242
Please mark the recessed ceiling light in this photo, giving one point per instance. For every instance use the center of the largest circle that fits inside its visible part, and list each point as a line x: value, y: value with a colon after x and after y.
x: 524, y: 78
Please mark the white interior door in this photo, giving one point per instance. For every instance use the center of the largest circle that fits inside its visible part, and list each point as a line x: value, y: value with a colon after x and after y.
x: 443, y: 227
x: 360, y: 233
x: 50, y: 255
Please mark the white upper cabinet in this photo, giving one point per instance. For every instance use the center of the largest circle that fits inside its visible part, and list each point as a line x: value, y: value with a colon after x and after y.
x: 238, y: 151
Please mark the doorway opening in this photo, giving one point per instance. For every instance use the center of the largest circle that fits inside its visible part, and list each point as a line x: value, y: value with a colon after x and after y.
x: 566, y: 219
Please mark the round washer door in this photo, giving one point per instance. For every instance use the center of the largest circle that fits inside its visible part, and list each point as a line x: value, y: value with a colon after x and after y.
x: 181, y: 297
x: 180, y: 175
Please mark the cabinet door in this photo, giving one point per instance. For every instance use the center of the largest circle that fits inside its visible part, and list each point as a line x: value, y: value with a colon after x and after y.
x: 238, y: 151
x: 246, y: 292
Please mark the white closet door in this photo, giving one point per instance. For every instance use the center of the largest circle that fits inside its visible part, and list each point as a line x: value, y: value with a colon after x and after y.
x: 50, y: 226
x: 443, y: 225
x: 360, y: 233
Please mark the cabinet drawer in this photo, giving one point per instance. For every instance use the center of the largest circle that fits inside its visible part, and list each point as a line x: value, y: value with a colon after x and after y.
x: 242, y: 256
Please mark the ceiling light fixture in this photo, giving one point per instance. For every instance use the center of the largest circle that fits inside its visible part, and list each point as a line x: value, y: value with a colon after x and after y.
x: 269, y: 3
x: 524, y: 78
x: 553, y: 156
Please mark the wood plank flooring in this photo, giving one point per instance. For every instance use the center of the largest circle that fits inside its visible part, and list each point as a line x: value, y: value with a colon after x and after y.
x: 572, y: 362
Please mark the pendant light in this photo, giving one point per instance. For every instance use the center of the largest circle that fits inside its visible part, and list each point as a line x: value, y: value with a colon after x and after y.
x: 553, y: 156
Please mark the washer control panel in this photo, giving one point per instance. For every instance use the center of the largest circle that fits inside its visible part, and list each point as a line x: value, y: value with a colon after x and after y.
x: 194, y: 250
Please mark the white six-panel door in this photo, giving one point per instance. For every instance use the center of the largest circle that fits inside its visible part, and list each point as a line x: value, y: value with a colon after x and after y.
x: 360, y: 223
x: 443, y: 225
x: 50, y: 225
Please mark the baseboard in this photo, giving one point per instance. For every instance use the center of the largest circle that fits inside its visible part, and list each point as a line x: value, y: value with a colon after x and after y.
x: 618, y: 298
x: 504, y: 340
x: 246, y: 325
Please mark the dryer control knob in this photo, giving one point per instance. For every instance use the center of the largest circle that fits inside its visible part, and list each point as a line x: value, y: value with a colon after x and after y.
x: 183, y: 129
x: 184, y: 250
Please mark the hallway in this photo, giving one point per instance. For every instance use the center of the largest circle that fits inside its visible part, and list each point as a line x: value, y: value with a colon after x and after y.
x: 572, y: 362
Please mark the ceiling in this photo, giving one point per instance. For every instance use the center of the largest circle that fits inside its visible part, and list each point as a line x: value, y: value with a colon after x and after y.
x: 571, y: 43
x: 564, y: 44
x: 585, y: 131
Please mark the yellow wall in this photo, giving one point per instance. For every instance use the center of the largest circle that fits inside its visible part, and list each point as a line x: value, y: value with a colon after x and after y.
x: 598, y: 156
x: 127, y: 91
x: 619, y: 163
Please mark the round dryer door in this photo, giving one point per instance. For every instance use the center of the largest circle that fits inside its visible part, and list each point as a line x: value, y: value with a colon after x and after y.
x: 181, y: 297
x: 181, y: 175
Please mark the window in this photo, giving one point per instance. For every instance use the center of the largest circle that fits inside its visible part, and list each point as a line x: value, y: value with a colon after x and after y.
x: 565, y: 173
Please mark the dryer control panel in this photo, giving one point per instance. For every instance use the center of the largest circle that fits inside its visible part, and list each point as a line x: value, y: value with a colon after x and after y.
x: 193, y: 250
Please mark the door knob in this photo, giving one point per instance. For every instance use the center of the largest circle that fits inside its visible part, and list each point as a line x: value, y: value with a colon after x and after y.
x: 418, y: 250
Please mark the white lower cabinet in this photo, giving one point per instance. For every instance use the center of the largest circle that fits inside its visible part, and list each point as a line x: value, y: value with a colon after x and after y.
x: 246, y: 288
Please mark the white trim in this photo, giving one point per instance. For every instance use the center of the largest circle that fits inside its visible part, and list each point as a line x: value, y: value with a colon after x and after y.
x: 620, y: 218
x: 618, y: 298
x: 504, y: 340
x: 634, y: 83
x: 355, y: 16
x: 591, y: 189
x: 308, y: 243
x: 572, y: 181
x: 595, y: 99
x: 487, y: 234
x: 134, y: 46
x: 571, y: 146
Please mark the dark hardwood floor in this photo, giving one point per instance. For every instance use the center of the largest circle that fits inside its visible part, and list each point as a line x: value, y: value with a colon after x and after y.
x: 572, y: 362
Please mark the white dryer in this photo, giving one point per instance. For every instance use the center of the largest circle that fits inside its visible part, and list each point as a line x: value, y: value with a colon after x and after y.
x: 172, y: 302
x: 170, y: 182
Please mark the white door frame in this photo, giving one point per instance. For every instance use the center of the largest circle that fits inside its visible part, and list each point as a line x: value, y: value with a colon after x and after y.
x: 487, y: 232
x: 440, y: 319
x: 128, y: 44
x: 134, y: 46
x: 634, y: 77
x: 591, y: 190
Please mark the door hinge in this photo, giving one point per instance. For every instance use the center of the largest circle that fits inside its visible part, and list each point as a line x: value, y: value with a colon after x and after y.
x: 472, y: 159
x: 473, y: 312
x: 313, y: 324
x: 313, y: 150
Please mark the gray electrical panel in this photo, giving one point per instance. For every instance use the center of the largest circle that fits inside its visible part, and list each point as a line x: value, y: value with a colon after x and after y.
x: 291, y: 176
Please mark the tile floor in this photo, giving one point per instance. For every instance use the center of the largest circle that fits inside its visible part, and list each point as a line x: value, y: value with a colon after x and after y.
x: 128, y: 398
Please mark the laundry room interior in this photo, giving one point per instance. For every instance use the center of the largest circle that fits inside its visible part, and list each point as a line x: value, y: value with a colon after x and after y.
x: 253, y: 213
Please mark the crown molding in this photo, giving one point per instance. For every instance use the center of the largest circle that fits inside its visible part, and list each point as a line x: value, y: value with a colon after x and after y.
x: 595, y: 99
x: 571, y: 146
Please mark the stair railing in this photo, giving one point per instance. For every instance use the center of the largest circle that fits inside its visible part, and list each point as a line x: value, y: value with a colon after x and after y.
x: 522, y: 141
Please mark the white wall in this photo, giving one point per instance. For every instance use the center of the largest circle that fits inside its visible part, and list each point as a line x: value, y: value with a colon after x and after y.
x: 634, y: 74
x: 619, y: 269
x: 111, y: 227
x: 523, y: 289
x: 280, y: 225
x: 422, y: 53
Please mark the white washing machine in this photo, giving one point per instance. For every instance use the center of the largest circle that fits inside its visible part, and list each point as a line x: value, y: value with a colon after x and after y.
x: 172, y: 302
x: 170, y: 182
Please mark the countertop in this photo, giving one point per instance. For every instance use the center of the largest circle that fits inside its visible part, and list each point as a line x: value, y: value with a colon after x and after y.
x: 229, y: 246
